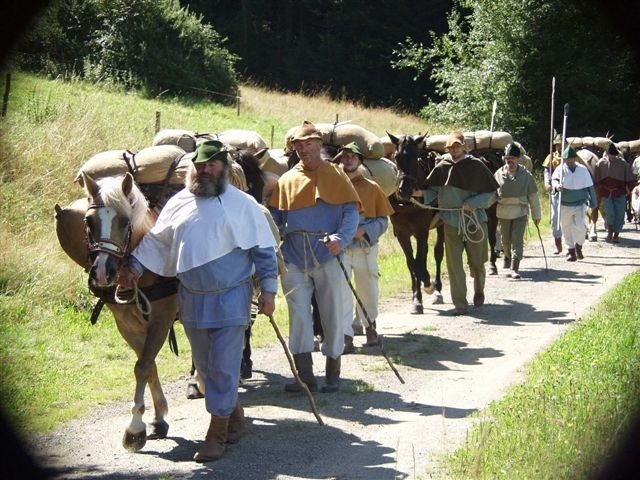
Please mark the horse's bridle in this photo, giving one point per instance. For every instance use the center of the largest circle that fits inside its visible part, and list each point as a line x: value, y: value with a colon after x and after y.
x: 106, y: 245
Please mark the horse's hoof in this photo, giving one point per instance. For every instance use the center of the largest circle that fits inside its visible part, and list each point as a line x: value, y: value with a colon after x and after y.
x: 417, y: 310
x: 431, y: 288
x: 193, y: 391
x: 158, y: 430
x: 132, y: 442
x: 437, y: 299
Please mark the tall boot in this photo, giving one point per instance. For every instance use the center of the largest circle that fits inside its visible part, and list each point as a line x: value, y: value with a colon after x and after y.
x: 214, y: 442
x: 304, y: 365
x: 515, y: 266
x: 579, y: 251
x: 616, y: 237
x: 558, y: 246
x: 237, y: 425
x: 372, y: 335
x: 571, y: 257
x: 332, y: 381
x: 506, y: 263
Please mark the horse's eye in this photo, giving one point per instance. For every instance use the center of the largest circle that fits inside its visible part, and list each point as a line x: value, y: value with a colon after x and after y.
x: 89, y: 222
x: 124, y: 223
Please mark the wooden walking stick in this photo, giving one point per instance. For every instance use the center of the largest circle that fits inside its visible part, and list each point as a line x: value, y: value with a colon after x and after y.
x: 371, y: 325
x: 303, y: 385
x: 564, y: 139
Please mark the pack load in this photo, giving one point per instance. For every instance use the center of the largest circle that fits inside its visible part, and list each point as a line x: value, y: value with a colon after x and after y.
x: 478, y: 140
x: 342, y: 133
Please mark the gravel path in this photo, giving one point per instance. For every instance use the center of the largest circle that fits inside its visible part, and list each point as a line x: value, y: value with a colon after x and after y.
x: 375, y: 428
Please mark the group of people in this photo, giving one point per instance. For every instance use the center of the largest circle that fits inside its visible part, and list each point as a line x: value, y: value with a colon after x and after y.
x: 574, y: 187
x: 219, y: 243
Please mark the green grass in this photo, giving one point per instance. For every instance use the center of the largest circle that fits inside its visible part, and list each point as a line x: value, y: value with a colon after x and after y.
x: 577, y: 398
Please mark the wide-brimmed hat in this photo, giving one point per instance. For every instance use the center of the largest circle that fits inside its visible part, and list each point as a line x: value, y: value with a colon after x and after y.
x: 569, y: 152
x: 306, y: 131
x: 453, y: 138
x: 351, y: 147
x: 211, y: 150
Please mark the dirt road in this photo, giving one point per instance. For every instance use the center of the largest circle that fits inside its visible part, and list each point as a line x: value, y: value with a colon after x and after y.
x: 375, y: 428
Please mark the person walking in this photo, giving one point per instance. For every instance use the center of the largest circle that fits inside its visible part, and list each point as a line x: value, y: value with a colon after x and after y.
x: 516, y: 193
x: 613, y: 179
x: 464, y: 187
x: 316, y: 208
x: 549, y: 165
x: 572, y: 181
x: 213, y: 237
x: 360, y: 257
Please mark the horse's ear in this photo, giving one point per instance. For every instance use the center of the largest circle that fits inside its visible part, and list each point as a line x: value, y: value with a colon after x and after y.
x: 127, y: 183
x: 90, y: 185
x: 393, y: 139
x: 420, y: 139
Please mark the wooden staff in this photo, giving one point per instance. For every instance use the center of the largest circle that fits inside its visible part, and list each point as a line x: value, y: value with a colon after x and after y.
x: 303, y: 385
x: 564, y: 139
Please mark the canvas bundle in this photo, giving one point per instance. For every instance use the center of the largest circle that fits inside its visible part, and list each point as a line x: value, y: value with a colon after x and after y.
x: 342, y: 133
x: 149, y: 166
x: 478, y: 140
x: 384, y: 172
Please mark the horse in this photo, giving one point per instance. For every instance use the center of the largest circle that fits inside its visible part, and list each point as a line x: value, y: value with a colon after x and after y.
x: 99, y: 233
x: 411, y: 219
x: 493, y: 161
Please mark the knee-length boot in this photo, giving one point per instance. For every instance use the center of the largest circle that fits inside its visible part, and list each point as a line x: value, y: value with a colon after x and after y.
x: 214, y: 442
x: 237, y: 425
x: 332, y: 379
x: 304, y: 366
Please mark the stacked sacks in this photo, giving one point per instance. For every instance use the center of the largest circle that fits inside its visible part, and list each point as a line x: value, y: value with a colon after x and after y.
x: 382, y: 170
x: 633, y: 146
x: 599, y: 144
x: 478, y: 140
x: 150, y: 165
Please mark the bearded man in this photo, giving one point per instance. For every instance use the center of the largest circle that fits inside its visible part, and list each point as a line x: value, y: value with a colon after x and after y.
x: 212, y: 236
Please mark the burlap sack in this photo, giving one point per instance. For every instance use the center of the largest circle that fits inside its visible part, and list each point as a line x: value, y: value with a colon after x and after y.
x: 173, y: 136
x: 69, y: 224
x: 242, y: 140
x: 601, y: 142
x: 384, y: 172
x: 106, y: 164
x: 149, y: 165
x: 633, y: 145
x: 343, y: 133
x: 478, y: 140
x: 589, y: 158
x: 274, y: 161
x: 575, y: 142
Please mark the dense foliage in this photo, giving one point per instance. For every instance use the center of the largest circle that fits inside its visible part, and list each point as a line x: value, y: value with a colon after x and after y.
x: 509, y: 51
x: 146, y: 44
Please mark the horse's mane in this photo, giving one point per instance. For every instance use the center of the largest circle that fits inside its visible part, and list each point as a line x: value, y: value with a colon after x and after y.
x: 133, y: 206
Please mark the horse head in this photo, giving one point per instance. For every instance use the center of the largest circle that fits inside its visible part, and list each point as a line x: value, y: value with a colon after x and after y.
x: 116, y: 218
x: 406, y: 156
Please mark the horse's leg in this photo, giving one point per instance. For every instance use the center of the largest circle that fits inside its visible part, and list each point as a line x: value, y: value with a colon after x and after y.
x: 438, y: 253
x: 422, y: 249
x: 405, y: 244
x: 593, y: 219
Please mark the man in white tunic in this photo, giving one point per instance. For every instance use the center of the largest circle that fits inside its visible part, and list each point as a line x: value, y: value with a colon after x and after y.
x: 213, y: 237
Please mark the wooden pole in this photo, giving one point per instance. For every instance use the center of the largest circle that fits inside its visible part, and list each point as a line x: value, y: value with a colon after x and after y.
x: 157, y: 121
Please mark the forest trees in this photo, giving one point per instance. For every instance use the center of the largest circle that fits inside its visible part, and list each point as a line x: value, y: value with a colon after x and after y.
x: 153, y: 45
x: 509, y: 50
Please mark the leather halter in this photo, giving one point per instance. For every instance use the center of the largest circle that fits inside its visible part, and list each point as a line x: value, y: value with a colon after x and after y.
x: 106, y: 245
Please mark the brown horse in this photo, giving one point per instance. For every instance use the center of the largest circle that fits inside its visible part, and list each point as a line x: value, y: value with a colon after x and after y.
x: 411, y: 219
x: 98, y: 233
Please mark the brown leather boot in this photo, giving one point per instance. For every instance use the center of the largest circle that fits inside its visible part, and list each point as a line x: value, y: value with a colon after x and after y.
x: 348, y: 345
x: 515, y: 267
x: 304, y: 365
x: 237, y: 425
x: 609, y: 238
x: 558, y: 246
x: 332, y: 381
x: 372, y: 336
x: 579, y: 252
x: 571, y: 257
x: 214, y: 442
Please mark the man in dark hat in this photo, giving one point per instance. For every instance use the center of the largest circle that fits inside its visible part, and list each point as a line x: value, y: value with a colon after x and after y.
x: 212, y: 237
x: 360, y: 257
x: 549, y: 165
x: 464, y: 187
x: 517, y: 191
x: 614, y: 179
x: 572, y: 181
x: 316, y: 209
